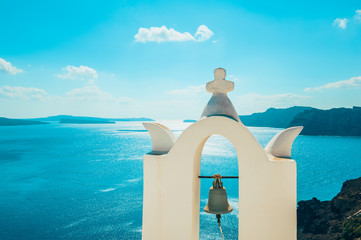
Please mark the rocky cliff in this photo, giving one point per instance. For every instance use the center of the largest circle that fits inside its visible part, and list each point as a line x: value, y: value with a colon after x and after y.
x: 338, y: 219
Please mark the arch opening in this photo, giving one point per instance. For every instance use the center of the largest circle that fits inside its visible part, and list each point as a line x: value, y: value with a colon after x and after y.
x: 219, y: 156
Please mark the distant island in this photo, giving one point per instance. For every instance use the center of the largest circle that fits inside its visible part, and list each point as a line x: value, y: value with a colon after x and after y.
x: 333, y: 122
x: 273, y: 117
x: 18, y: 122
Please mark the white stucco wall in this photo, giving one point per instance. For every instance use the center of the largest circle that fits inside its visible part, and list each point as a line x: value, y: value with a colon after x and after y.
x: 267, y: 186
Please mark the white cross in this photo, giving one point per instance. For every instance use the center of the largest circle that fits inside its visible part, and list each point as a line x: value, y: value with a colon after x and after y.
x: 219, y: 84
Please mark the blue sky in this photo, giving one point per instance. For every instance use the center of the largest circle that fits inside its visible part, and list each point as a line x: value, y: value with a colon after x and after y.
x: 152, y: 58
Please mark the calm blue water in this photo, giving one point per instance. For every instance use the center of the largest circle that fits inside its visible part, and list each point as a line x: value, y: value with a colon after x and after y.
x: 85, y: 181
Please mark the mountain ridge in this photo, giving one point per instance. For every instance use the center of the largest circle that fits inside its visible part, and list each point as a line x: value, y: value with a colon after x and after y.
x: 332, y: 122
x: 273, y: 117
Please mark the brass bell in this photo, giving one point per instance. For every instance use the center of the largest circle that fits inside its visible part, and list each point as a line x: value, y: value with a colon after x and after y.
x: 217, y: 199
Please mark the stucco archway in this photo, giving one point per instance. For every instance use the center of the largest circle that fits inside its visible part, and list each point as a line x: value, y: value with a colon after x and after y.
x: 267, y: 186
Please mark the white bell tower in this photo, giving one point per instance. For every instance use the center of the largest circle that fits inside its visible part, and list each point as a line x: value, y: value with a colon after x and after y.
x: 267, y: 177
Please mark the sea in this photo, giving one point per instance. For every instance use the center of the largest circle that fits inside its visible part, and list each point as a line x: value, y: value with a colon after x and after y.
x: 85, y: 181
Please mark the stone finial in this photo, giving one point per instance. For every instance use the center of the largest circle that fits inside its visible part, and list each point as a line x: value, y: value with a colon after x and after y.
x: 219, y: 104
x: 219, y: 84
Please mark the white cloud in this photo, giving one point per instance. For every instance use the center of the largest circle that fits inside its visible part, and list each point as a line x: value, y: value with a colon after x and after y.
x: 8, y: 68
x: 254, y: 102
x: 203, y: 33
x: 163, y: 34
x: 354, y: 82
x: 358, y: 15
x: 190, y: 90
x: 340, y: 22
x: 82, y: 72
x: 94, y: 93
x: 23, y: 93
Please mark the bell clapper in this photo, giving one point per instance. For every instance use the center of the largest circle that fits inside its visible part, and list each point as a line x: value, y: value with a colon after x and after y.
x: 219, y: 224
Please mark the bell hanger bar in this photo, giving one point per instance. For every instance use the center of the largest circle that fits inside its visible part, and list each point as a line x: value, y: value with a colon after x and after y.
x: 221, y: 177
